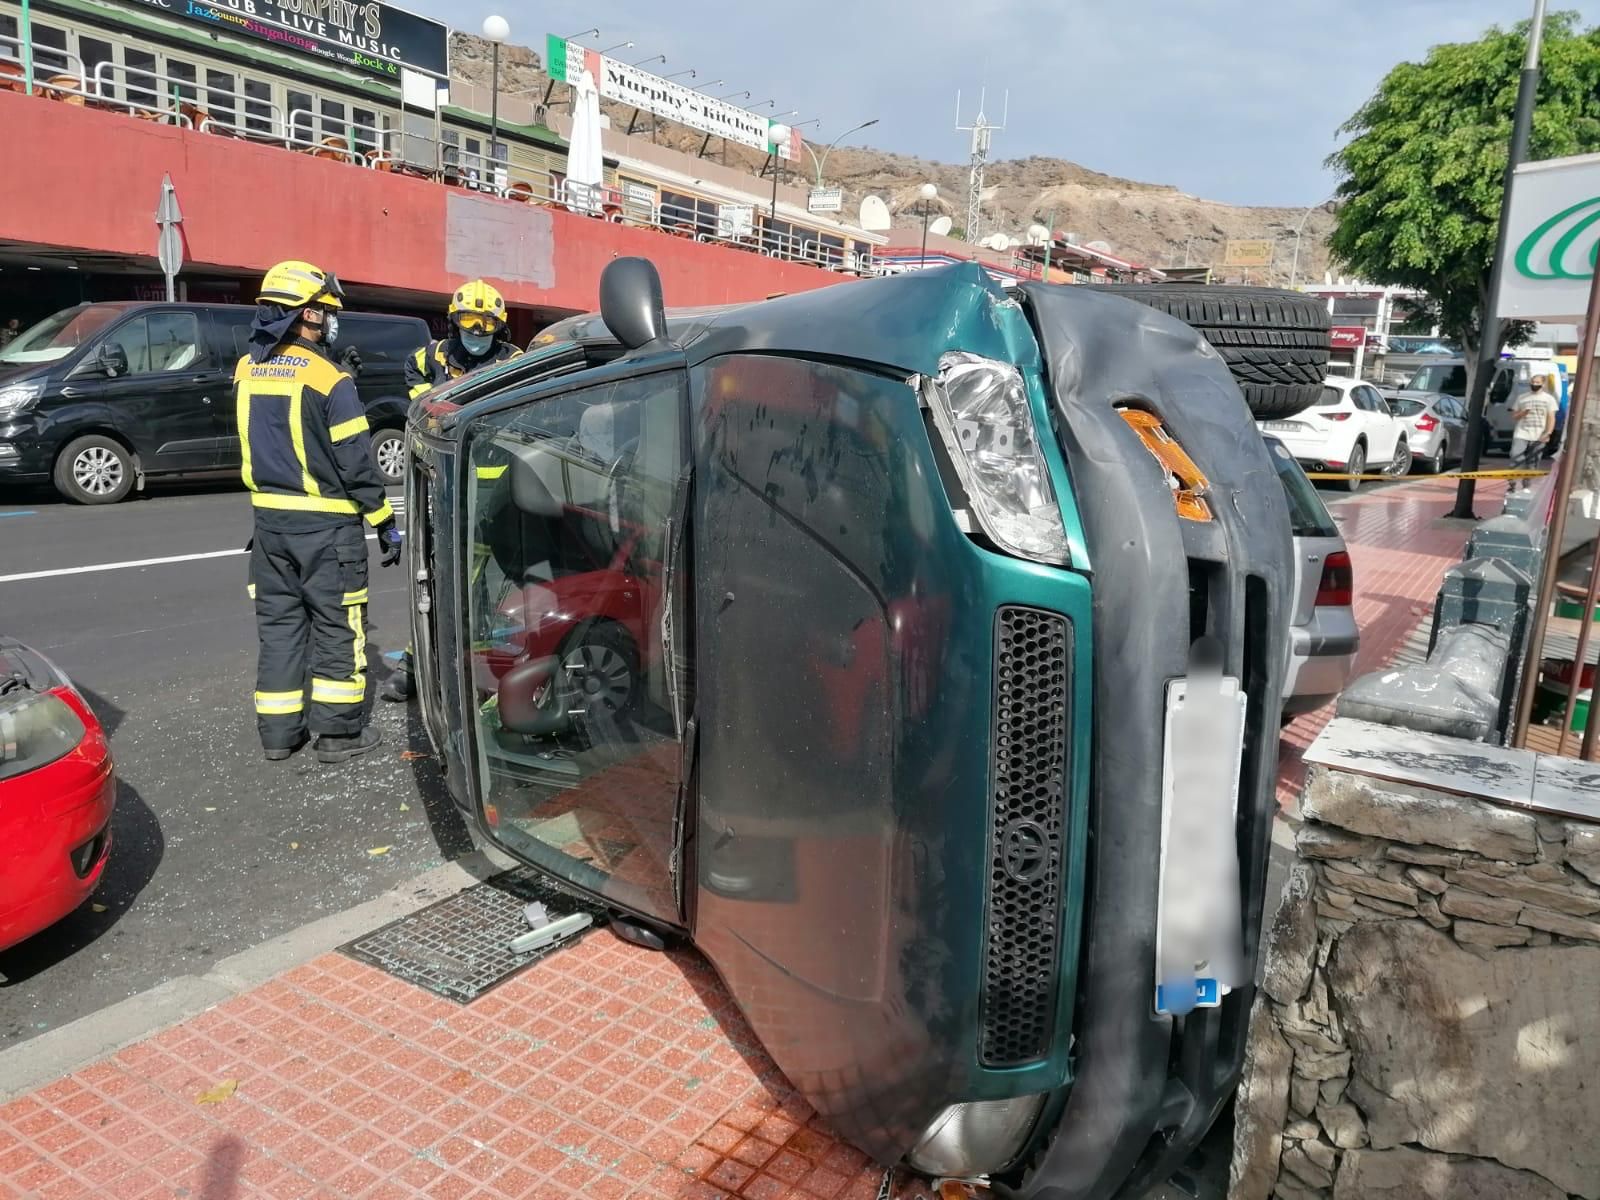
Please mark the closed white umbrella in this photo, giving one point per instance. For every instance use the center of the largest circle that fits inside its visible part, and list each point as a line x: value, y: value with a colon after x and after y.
x: 585, y: 168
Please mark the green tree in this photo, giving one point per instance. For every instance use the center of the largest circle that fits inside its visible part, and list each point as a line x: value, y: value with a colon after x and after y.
x: 1420, y: 178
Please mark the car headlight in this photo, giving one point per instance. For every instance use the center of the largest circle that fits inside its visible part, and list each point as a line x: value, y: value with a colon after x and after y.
x: 36, y: 728
x: 980, y: 407
x: 981, y: 1137
x: 15, y: 397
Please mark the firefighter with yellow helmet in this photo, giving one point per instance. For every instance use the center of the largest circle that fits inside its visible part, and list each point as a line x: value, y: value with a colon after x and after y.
x: 480, y: 339
x: 315, y: 490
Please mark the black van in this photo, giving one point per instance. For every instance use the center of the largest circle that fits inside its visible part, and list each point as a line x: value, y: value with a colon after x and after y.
x: 100, y: 397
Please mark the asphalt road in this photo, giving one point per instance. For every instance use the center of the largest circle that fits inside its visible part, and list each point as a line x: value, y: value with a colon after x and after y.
x: 215, y: 849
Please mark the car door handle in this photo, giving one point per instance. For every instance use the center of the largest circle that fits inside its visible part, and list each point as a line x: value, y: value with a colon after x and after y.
x: 205, y: 399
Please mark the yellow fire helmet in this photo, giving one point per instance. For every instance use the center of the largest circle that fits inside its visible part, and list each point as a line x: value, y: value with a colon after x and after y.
x: 478, y: 307
x: 296, y: 284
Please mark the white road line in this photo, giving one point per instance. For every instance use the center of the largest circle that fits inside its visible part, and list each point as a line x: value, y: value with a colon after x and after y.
x: 123, y: 566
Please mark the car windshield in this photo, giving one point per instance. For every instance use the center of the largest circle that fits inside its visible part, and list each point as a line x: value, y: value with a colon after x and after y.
x: 1406, y: 408
x: 1451, y: 379
x: 1332, y: 397
x: 1307, y: 514
x: 57, y: 336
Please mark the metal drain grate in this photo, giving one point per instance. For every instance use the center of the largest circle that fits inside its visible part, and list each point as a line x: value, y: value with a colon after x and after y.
x: 457, y: 947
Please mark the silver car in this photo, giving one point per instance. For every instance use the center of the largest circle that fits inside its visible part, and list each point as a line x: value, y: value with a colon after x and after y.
x: 1324, y: 638
x: 1438, y: 428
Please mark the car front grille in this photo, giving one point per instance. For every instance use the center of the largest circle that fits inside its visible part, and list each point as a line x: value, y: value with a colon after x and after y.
x: 1027, y: 835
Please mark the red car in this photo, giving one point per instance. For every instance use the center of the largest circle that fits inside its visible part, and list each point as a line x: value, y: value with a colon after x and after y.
x: 56, y: 794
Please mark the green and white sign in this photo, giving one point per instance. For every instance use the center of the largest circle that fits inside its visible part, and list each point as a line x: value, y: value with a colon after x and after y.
x: 1553, y: 238
x: 626, y: 84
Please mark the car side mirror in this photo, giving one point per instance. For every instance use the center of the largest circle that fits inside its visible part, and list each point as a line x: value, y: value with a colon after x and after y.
x: 111, y: 360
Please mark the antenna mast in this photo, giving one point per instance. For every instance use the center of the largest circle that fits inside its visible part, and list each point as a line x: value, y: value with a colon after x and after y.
x: 981, y: 130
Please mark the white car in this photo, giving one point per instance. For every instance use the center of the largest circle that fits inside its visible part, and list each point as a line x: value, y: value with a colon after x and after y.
x: 1350, y: 431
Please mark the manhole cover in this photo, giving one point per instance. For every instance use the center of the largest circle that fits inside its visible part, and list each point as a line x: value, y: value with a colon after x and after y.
x: 457, y: 948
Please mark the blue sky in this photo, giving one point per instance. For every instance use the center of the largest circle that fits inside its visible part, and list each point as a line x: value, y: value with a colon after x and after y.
x: 1234, y: 100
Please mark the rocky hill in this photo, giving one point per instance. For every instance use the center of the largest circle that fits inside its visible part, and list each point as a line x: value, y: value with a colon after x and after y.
x: 1154, y: 224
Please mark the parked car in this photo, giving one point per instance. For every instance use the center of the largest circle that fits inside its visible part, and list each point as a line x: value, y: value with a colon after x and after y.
x: 1349, y: 431
x: 1323, y: 636
x: 939, y: 642
x: 1448, y: 377
x: 1436, y: 429
x: 100, y: 397
x: 57, y: 790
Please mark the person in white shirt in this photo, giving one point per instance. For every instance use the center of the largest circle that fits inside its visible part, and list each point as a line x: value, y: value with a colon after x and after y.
x: 1535, y: 417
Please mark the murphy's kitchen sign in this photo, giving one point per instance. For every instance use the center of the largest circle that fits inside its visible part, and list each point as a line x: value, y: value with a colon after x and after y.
x: 566, y: 61
x: 1552, y: 235
x: 368, y: 36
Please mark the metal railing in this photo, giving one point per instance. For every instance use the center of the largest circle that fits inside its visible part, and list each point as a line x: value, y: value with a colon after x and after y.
x: 196, y: 104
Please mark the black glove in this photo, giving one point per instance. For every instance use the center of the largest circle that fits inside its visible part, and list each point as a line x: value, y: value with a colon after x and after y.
x: 389, y: 542
x: 350, y: 360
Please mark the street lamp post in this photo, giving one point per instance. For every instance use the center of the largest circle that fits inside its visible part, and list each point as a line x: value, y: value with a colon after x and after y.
x: 929, y: 194
x: 821, y: 162
x: 1488, y: 320
x: 1294, y: 263
x: 495, y: 30
x: 778, y: 134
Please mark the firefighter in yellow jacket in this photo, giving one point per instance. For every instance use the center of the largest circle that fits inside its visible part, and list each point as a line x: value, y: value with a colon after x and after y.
x: 315, y: 491
x: 478, y: 313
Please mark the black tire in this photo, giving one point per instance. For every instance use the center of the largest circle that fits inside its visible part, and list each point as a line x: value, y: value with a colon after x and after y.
x: 1400, y: 465
x: 94, y: 469
x: 601, y: 664
x: 1437, y: 465
x: 1274, y: 341
x: 389, y: 453
x: 1357, y: 466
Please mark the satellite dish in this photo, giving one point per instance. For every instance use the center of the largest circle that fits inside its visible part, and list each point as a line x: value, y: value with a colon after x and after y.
x: 941, y: 226
x: 875, y: 214
x: 1013, y: 242
x: 1103, y: 247
x: 997, y: 241
x: 1038, y: 235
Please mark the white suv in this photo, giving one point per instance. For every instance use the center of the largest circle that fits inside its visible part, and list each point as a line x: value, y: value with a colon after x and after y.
x: 1350, y: 430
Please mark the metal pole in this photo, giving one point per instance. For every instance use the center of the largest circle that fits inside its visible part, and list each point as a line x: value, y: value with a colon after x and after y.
x: 1294, y: 264
x: 1488, y: 321
x: 25, y: 32
x: 494, y: 111
x: 1049, y: 245
x: 1586, y: 623
x: 924, y: 261
x: 772, y: 215
x: 1566, y: 469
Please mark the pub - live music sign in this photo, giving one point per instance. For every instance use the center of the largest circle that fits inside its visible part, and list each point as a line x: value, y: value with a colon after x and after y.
x: 367, y: 35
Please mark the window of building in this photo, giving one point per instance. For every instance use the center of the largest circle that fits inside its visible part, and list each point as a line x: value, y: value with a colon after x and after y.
x: 221, y: 97
x: 364, y: 129
x: 258, y: 116
x: 300, y: 111
x: 94, y: 52
x: 181, y: 79
x: 49, y: 47
x: 8, y: 29
x: 143, y: 87
x: 332, y: 122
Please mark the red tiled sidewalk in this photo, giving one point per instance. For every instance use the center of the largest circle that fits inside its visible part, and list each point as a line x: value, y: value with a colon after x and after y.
x: 609, y: 1071
x: 1400, y: 558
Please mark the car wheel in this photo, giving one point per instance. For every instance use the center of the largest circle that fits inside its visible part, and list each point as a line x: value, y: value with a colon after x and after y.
x: 1436, y: 465
x: 1401, y: 464
x: 389, y: 452
x: 1356, y: 467
x: 1275, y: 342
x: 602, y: 671
x: 94, y: 470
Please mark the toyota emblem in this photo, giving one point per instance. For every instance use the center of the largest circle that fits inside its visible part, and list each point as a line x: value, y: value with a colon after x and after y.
x: 1024, y: 851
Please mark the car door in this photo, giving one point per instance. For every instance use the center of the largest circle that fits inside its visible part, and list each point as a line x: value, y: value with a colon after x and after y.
x: 1454, y: 415
x: 1383, y: 427
x: 230, y: 335
x: 166, y: 398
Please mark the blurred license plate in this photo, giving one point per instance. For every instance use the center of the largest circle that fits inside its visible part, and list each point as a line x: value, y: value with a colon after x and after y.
x: 1281, y: 426
x: 1199, y: 947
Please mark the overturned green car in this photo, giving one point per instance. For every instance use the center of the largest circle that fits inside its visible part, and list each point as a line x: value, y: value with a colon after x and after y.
x: 913, y: 648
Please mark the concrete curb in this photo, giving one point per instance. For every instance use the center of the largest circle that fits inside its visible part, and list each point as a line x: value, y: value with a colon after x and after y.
x: 61, y: 1051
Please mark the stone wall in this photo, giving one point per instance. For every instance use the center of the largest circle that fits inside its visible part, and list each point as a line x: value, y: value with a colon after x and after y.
x: 1429, y: 1021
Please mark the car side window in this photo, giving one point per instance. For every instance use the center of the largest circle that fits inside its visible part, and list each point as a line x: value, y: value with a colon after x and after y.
x: 1358, y: 397
x: 175, y: 343
x: 1376, y: 403
x: 134, y: 338
x: 1500, y: 389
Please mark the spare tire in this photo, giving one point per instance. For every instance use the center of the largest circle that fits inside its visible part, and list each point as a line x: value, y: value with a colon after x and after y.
x: 1274, y: 341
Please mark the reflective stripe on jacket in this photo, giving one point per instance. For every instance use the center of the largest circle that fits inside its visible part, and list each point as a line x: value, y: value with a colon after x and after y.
x: 303, y: 436
x: 441, y: 361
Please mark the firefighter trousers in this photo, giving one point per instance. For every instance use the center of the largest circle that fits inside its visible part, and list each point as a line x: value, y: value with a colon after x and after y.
x: 310, y: 590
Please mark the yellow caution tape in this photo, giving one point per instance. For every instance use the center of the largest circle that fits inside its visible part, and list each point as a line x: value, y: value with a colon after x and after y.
x: 1445, y: 475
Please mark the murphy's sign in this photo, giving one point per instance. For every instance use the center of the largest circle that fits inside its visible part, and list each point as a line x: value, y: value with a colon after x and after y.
x: 368, y: 36
x: 566, y: 61
x: 1552, y: 236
